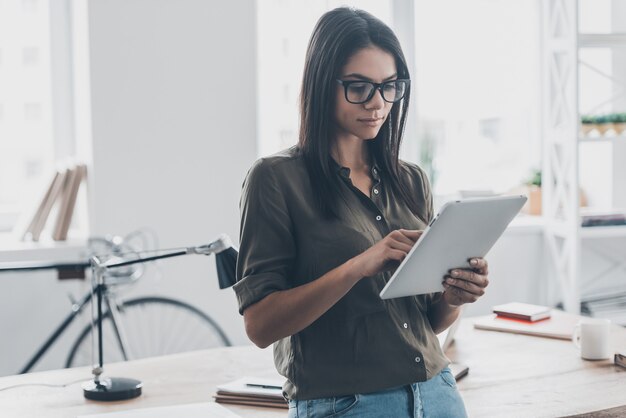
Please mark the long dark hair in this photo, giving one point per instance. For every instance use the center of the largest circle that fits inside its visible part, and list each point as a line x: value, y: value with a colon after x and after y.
x: 338, y: 35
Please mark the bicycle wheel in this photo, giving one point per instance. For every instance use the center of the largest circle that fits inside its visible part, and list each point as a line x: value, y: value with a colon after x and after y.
x: 152, y: 326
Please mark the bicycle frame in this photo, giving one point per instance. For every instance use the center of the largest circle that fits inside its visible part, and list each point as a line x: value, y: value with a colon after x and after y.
x: 76, y: 309
x: 65, y: 270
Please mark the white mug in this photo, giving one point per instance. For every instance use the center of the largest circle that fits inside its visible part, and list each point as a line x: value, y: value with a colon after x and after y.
x: 592, y: 337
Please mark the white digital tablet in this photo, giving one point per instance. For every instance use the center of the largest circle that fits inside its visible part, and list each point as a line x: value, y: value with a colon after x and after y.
x: 462, y: 230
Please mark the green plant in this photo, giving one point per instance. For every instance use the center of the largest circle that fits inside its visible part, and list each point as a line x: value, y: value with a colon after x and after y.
x: 613, y: 118
x: 534, y: 179
x: 602, y: 119
x: 620, y: 118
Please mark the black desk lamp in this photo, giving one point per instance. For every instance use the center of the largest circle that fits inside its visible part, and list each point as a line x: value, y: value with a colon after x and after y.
x: 121, y: 388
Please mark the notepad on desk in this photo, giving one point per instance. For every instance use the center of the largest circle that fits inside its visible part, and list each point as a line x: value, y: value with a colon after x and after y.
x: 253, y: 391
x: 560, y: 325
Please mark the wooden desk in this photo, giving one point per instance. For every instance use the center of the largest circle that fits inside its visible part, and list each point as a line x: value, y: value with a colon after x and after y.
x: 515, y: 375
x: 510, y: 376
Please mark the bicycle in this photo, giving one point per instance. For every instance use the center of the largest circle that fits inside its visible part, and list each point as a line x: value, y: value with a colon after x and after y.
x: 134, y: 328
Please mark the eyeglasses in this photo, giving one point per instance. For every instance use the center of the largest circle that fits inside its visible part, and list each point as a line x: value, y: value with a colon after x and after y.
x: 358, y: 92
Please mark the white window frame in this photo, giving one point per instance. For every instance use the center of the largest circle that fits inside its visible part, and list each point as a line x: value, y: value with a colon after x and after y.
x: 60, y: 15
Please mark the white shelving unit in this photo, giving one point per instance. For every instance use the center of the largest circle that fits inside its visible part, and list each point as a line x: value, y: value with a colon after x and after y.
x: 603, y: 40
x: 560, y: 182
x: 612, y: 139
x: 603, y: 232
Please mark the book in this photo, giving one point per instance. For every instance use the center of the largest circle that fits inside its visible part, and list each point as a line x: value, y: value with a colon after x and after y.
x: 46, y: 205
x: 26, y: 233
x: 59, y: 201
x: 250, y: 401
x: 591, y: 217
x: 68, y: 201
x: 560, y: 325
x: 459, y: 370
x: 252, y: 391
x: 620, y: 359
x: 524, y: 311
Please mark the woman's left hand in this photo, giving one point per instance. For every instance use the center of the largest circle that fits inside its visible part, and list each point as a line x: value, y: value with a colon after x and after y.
x: 466, y: 285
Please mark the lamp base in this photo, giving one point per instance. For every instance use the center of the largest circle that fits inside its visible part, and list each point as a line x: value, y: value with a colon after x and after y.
x: 112, y: 389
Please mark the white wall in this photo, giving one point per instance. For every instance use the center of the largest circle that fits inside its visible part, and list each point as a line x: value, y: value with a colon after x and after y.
x: 173, y: 101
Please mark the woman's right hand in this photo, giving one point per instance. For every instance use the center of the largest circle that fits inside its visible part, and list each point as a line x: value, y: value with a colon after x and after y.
x: 387, y: 253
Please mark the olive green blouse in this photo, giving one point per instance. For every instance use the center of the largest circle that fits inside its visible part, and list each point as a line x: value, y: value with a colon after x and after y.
x: 363, y: 343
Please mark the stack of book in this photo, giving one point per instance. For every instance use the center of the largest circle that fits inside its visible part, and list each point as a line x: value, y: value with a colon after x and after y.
x: 252, y: 391
x: 620, y: 359
x: 59, y: 198
x: 597, y: 218
x: 522, y: 311
x: 608, y: 305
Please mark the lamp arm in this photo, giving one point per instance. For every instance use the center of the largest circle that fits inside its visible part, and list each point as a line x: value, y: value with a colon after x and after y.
x: 146, y: 259
x: 215, y: 247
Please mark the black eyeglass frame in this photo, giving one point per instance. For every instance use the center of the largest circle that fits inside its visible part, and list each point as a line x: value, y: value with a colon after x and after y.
x: 377, y: 86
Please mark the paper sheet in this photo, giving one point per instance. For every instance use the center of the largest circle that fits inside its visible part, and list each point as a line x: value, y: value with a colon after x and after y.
x: 194, y: 410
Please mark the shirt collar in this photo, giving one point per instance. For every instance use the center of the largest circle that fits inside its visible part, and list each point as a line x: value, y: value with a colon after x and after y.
x: 345, y: 171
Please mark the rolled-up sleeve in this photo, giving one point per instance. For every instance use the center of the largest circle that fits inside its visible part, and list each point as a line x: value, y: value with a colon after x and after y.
x: 267, y: 249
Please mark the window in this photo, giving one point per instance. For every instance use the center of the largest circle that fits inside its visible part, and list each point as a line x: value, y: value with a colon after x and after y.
x: 284, y: 28
x: 478, y: 93
x: 34, y: 39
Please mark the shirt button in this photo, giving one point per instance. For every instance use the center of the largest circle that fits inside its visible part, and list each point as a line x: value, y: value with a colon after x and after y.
x: 378, y: 218
x: 375, y: 191
x: 405, y: 325
x: 417, y: 359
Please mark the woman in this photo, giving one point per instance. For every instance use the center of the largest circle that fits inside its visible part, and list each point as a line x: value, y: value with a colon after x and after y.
x: 324, y: 223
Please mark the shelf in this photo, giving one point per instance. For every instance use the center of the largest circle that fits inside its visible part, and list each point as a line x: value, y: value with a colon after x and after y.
x: 12, y: 250
x: 565, y: 46
x: 591, y: 232
x: 588, y: 40
x: 618, y: 138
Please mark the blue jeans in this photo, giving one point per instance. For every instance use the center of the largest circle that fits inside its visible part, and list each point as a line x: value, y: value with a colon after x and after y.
x: 436, y: 398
